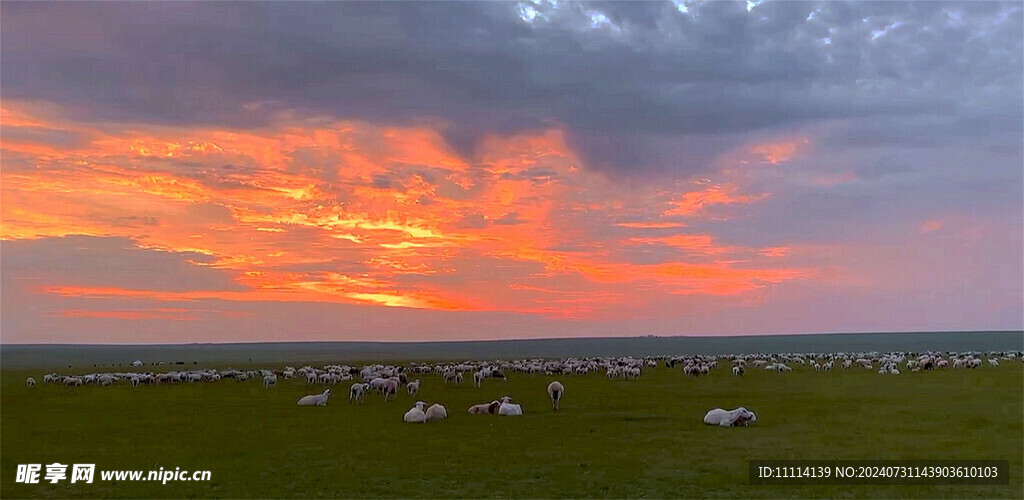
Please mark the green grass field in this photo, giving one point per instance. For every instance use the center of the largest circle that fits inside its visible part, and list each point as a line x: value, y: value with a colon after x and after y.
x: 623, y: 438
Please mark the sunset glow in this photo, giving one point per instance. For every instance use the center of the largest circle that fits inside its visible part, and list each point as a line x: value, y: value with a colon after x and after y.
x: 441, y: 222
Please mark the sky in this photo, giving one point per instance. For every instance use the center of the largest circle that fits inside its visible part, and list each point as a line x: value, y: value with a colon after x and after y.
x: 254, y: 171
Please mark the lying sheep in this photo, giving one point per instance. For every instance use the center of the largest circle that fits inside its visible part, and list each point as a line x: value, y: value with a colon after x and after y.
x: 555, y: 391
x: 510, y: 409
x: 436, y: 412
x: 485, y: 408
x: 738, y: 417
x: 415, y: 415
x: 315, y: 399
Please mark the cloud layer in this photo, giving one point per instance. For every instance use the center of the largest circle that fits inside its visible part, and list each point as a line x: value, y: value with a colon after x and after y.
x: 479, y: 170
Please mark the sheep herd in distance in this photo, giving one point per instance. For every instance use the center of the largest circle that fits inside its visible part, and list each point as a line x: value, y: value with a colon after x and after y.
x: 390, y: 381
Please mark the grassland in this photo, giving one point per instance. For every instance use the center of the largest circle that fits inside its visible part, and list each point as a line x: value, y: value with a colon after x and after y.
x: 624, y: 438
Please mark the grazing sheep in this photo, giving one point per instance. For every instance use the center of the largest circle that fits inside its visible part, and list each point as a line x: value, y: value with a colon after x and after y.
x: 738, y: 417
x: 510, y: 409
x: 555, y: 391
x: 416, y: 415
x: 453, y: 376
x: 436, y: 412
x: 269, y: 380
x: 413, y: 387
x: 485, y: 408
x: 357, y: 391
x: 993, y: 362
x: 315, y: 399
x: 72, y: 381
x: 30, y: 382
x: 389, y: 387
x: 737, y: 370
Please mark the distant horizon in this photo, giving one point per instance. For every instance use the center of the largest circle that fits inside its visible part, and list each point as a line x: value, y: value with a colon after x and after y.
x: 920, y: 332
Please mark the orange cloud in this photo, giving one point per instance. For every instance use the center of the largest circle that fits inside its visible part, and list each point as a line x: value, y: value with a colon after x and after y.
x: 349, y: 212
x: 696, y: 202
x: 930, y: 226
x: 779, y: 151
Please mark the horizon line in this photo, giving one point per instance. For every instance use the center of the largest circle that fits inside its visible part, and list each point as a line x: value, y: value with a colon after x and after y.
x: 913, y: 332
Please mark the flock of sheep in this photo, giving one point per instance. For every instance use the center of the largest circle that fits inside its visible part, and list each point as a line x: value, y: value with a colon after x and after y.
x: 888, y: 363
x: 388, y: 380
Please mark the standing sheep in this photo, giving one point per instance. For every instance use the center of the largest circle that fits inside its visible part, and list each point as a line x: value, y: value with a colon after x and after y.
x: 413, y: 387
x: 357, y: 391
x: 555, y: 391
x: 30, y: 382
x: 389, y: 387
x: 269, y: 380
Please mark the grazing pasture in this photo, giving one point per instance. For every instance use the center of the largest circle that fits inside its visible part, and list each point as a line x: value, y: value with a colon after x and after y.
x: 622, y: 437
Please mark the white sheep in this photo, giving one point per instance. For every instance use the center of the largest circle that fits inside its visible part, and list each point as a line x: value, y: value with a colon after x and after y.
x: 478, y: 378
x: 413, y: 387
x: 738, y: 417
x: 510, y: 409
x: 993, y: 362
x: 389, y: 387
x: 555, y: 391
x: 315, y: 399
x: 436, y: 412
x: 416, y: 415
x: 357, y: 391
x: 737, y: 370
x: 72, y: 381
x: 269, y: 380
x: 30, y: 382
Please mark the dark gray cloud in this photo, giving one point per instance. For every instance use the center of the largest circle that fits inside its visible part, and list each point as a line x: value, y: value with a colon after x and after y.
x: 637, y: 85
